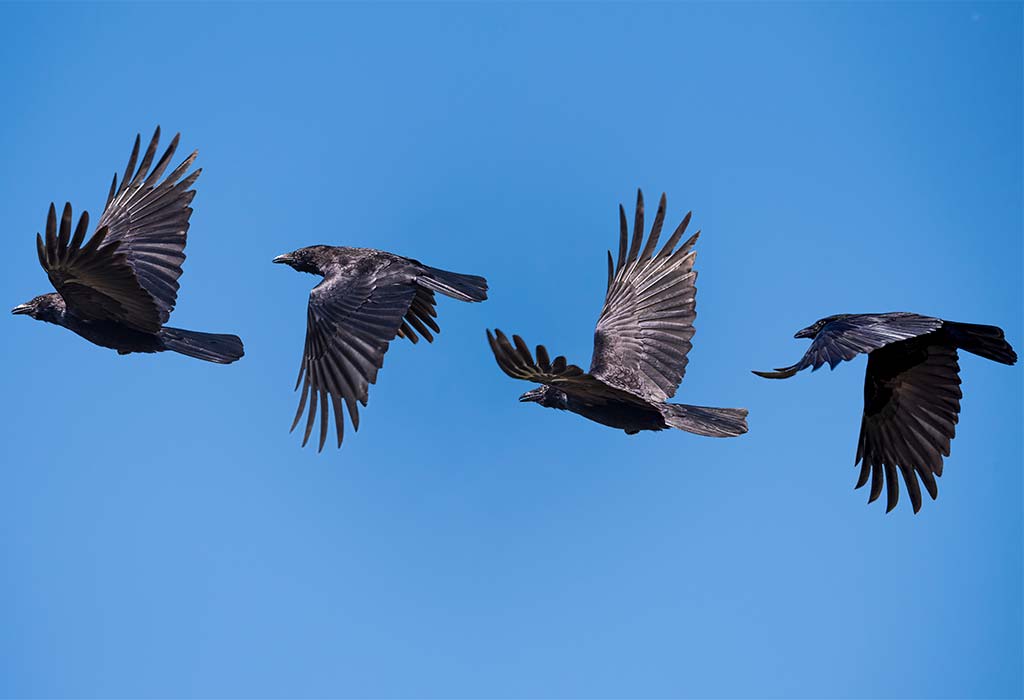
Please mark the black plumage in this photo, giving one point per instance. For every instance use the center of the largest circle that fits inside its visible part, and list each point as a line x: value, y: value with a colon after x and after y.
x: 366, y: 298
x: 118, y: 289
x: 911, y: 390
x: 640, y: 344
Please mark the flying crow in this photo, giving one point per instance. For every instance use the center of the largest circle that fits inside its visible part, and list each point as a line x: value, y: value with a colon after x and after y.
x: 640, y: 345
x: 367, y: 297
x: 118, y: 289
x: 911, y: 390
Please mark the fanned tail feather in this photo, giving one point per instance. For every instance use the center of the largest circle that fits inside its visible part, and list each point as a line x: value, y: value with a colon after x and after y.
x: 212, y: 347
x: 701, y: 420
x: 453, y: 284
x: 984, y: 341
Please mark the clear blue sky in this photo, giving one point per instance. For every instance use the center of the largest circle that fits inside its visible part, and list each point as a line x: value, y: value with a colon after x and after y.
x: 161, y: 533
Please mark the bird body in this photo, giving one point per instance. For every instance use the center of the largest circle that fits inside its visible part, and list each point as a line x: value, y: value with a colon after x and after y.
x: 108, y: 334
x: 911, y: 390
x: 118, y: 289
x: 347, y: 260
x: 640, y: 343
x: 365, y: 299
x: 629, y: 416
x: 212, y: 347
x: 633, y: 416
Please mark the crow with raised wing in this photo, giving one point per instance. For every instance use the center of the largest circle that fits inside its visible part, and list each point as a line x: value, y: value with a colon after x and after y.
x: 640, y: 344
x: 118, y: 289
x: 911, y: 390
x: 366, y: 298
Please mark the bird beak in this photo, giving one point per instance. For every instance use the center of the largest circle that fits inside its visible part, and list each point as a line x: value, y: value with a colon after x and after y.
x: 22, y: 309
x: 805, y: 333
x: 285, y: 259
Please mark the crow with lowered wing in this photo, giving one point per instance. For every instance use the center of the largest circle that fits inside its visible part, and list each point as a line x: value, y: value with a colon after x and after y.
x: 911, y: 390
x: 366, y: 298
x: 118, y: 289
x: 640, y: 344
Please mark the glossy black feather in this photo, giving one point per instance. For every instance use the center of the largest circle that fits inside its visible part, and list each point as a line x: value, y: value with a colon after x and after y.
x: 911, y: 391
x: 149, y: 220
x: 644, y: 331
x: 844, y: 336
x: 640, y: 343
x: 367, y: 297
x: 118, y: 288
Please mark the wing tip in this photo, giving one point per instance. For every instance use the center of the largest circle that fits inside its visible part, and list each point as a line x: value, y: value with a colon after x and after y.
x: 778, y: 373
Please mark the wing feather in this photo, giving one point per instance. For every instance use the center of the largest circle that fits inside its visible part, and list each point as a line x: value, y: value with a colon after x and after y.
x: 350, y: 323
x: 95, y: 280
x: 515, y: 359
x: 911, y: 408
x: 149, y: 220
x: 848, y: 335
x: 644, y: 333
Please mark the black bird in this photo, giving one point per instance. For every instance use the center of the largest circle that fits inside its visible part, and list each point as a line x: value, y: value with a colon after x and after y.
x: 640, y: 344
x: 367, y: 297
x: 911, y: 389
x: 118, y: 289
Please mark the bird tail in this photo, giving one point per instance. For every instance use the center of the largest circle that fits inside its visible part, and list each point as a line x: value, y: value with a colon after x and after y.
x: 986, y: 341
x: 701, y: 420
x: 212, y: 347
x: 453, y: 284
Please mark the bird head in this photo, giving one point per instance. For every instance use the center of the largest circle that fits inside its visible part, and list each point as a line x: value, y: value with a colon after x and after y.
x: 533, y: 395
x: 547, y: 396
x: 308, y: 259
x: 44, y: 307
x: 812, y: 330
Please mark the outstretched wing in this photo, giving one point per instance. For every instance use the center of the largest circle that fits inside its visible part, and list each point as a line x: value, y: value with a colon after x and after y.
x: 847, y: 336
x: 350, y: 322
x: 149, y: 220
x: 643, y: 334
x: 95, y: 279
x: 911, y: 408
x: 516, y: 361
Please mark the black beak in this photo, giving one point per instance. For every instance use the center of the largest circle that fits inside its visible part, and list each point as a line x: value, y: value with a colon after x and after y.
x: 285, y: 259
x: 806, y: 333
x: 21, y: 309
x: 525, y: 398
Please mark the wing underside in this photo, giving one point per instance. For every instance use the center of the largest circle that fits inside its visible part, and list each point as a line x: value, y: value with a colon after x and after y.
x: 646, y: 325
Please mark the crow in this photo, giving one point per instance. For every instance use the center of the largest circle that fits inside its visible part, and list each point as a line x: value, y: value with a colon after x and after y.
x: 640, y: 344
x: 911, y: 390
x: 119, y: 288
x: 366, y: 298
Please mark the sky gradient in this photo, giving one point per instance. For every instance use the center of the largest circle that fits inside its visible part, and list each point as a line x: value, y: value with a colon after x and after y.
x: 161, y: 533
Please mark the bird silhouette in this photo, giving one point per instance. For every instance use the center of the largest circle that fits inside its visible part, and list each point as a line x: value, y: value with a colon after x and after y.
x: 911, y: 390
x: 118, y: 289
x: 640, y: 344
x: 366, y: 298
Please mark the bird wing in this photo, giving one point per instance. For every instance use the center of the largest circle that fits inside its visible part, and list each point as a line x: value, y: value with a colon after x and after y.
x: 95, y: 280
x: 149, y: 220
x: 911, y: 408
x: 848, y: 336
x: 420, y: 317
x: 516, y: 361
x: 643, y: 334
x: 349, y: 323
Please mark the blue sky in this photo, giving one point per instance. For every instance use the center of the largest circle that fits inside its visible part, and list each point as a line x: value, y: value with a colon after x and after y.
x: 161, y: 533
